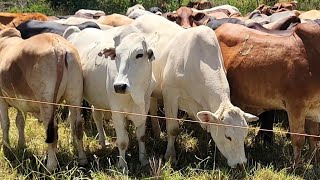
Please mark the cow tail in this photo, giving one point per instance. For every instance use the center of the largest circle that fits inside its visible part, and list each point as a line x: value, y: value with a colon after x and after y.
x: 61, y: 55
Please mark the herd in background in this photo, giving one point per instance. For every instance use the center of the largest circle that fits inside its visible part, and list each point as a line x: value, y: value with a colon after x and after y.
x: 218, y: 73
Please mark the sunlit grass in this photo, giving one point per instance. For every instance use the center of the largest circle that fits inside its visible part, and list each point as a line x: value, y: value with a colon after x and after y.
x: 198, y: 158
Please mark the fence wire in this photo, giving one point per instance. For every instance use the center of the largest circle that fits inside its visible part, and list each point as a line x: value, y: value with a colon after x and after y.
x: 159, y: 117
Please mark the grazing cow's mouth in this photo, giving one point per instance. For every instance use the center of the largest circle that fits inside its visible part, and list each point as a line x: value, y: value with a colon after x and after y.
x: 120, y: 88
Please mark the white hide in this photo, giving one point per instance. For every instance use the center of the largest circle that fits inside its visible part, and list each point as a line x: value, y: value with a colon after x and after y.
x: 137, y: 13
x: 132, y: 8
x: 101, y: 74
x: 190, y: 76
x: 230, y: 8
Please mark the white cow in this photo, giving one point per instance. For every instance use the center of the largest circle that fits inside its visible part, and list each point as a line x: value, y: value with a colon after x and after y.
x: 190, y: 76
x: 132, y: 8
x: 137, y: 13
x: 122, y: 85
x: 79, y: 20
x: 231, y: 9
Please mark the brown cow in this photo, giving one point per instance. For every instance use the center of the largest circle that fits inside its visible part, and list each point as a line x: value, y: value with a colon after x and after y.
x: 187, y: 18
x: 283, y: 6
x: 183, y: 17
x: 15, y: 19
x: 45, y: 68
x: 268, y: 71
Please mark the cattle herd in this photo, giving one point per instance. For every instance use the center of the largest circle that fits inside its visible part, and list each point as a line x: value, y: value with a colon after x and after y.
x: 214, y: 63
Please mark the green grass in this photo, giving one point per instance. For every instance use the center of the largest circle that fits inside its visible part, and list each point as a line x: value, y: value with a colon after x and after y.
x: 198, y: 158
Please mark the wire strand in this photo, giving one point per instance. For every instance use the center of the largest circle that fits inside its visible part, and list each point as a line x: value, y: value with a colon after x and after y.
x: 92, y: 108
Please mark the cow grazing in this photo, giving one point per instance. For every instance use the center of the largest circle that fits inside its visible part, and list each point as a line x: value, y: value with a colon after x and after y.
x: 288, y: 77
x: 43, y: 68
x: 124, y: 84
x: 33, y: 27
x: 193, y: 79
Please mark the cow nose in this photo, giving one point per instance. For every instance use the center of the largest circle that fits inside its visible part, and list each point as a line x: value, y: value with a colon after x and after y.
x: 186, y: 27
x: 120, y: 88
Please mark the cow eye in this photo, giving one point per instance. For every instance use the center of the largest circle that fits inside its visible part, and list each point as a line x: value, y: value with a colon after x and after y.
x: 229, y: 138
x: 139, y: 56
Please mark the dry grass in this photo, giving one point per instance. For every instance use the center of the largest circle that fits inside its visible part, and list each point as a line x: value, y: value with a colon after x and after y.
x: 197, y: 155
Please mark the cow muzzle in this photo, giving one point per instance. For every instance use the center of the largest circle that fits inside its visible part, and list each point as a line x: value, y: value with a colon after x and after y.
x: 120, y: 88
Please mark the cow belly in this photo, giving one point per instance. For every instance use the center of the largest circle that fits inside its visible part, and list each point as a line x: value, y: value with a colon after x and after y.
x: 24, y: 105
x: 190, y: 106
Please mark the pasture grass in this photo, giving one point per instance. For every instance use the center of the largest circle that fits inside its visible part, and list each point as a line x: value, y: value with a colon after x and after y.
x: 198, y: 157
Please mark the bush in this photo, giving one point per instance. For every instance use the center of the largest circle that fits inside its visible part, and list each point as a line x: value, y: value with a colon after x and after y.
x: 42, y: 6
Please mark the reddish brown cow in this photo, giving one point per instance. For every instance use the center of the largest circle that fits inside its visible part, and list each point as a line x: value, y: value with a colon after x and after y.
x: 282, y: 6
x: 183, y: 17
x: 187, y: 18
x: 15, y: 19
x: 267, y: 71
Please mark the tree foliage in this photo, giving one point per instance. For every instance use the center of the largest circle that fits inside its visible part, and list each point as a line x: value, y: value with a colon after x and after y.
x: 66, y: 7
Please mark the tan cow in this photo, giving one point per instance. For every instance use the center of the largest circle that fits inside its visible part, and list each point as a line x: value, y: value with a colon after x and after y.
x: 312, y: 15
x: 267, y: 71
x: 43, y: 68
x: 114, y: 20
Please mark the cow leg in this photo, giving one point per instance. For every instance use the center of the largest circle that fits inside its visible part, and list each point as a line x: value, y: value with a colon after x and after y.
x: 296, y: 114
x: 171, y: 111
x: 5, y: 124
x: 122, y: 138
x: 20, y: 123
x: 140, y: 123
x: 154, y: 121
x: 76, y: 123
x: 267, y: 120
x: 51, y: 127
x: 97, y: 117
x: 312, y: 128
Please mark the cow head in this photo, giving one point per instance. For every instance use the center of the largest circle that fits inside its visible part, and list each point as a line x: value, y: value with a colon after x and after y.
x: 133, y: 58
x: 229, y: 140
x: 186, y: 18
x: 183, y: 17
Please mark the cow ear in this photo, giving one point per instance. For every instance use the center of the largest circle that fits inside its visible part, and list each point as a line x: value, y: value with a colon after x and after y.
x: 207, y: 116
x: 108, y: 52
x: 250, y: 117
x: 198, y: 16
x: 150, y: 54
x: 172, y: 16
